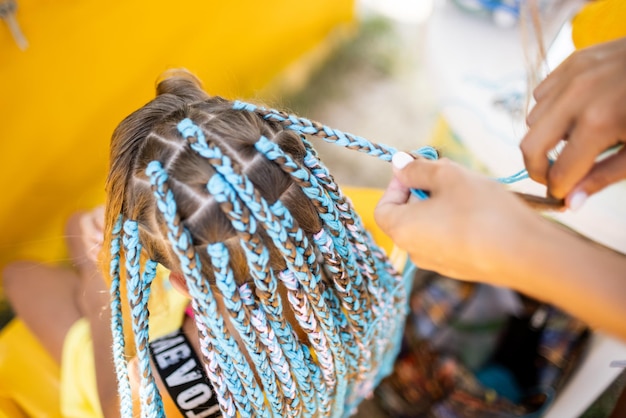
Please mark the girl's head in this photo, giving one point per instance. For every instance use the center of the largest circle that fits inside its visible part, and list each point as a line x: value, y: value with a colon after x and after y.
x: 152, y: 134
x: 298, y: 311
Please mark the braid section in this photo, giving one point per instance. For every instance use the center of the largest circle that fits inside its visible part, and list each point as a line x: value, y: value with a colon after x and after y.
x: 244, y: 396
x: 138, y: 299
x: 117, y: 326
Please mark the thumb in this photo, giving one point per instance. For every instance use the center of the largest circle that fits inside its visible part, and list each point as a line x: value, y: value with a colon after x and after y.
x: 603, y: 174
x: 394, y: 197
x: 418, y: 173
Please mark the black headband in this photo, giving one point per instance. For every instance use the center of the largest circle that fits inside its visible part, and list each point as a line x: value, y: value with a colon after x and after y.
x: 182, y: 374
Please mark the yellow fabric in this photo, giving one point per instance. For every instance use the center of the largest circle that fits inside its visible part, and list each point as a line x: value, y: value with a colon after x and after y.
x: 364, y: 200
x: 89, y: 64
x: 29, y: 377
x: 33, y: 385
x: 79, y: 392
x: 599, y: 21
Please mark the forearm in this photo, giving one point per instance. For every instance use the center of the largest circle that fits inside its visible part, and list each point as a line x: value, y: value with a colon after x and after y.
x: 97, y: 311
x: 579, y: 276
x: 99, y: 321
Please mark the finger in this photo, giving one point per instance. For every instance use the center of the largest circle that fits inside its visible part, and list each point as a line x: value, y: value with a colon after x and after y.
x: 554, y: 79
x: 98, y: 217
x: 396, y: 192
x: 606, y: 172
x: 578, y: 62
x: 578, y: 157
x: 394, y: 196
x: 543, y: 136
x: 425, y: 174
x: 545, y: 103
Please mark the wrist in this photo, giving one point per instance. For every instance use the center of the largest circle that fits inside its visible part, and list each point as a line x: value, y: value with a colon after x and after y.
x: 521, y: 252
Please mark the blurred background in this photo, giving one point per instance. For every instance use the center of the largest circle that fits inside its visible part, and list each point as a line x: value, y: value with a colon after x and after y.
x: 450, y: 73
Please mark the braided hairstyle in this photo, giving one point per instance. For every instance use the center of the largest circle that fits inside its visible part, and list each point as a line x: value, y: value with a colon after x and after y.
x: 299, y: 313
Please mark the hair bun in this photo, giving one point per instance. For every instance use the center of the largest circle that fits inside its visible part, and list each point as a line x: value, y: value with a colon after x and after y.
x: 180, y: 82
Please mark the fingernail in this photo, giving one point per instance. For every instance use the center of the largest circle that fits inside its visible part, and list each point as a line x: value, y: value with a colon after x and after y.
x: 577, y: 199
x: 400, y: 159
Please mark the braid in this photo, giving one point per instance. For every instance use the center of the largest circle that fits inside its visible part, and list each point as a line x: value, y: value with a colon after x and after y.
x: 259, y: 322
x: 351, y: 296
x: 138, y: 298
x: 329, y: 215
x: 241, y: 321
x: 117, y: 325
x: 261, y: 211
x: 308, y: 127
x: 238, y: 376
x: 277, y: 335
x: 369, y: 263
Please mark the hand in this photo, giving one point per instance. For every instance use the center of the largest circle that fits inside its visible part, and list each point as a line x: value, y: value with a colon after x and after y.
x: 84, y: 240
x: 470, y: 228
x: 583, y: 102
x: 85, y: 231
x: 92, y: 225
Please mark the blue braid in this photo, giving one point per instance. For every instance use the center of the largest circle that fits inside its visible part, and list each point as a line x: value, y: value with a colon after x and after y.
x: 150, y: 398
x: 307, y: 127
x: 260, y: 209
x: 148, y: 276
x: 307, y: 320
x: 117, y: 325
x: 357, y: 233
x: 259, y: 321
x: 311, y: 281
x: 239, y: 375
x: 225, y: 281
x: 245, y: 191
x: 362, y: 240
x: 329, y: 214
x: 257, y: 257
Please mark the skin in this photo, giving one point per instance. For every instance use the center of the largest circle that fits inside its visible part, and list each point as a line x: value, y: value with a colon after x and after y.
x: 584, y: 102
x: 471, y: 228
x: 38, y: 292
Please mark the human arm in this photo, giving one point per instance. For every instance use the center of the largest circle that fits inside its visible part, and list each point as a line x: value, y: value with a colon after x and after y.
x: 472, y: 228
x: 84, y: 232
x: 584, y: 102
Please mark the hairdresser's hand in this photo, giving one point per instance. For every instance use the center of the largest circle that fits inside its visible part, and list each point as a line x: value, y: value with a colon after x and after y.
x: 584, y: 102
x: 470, y: 228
